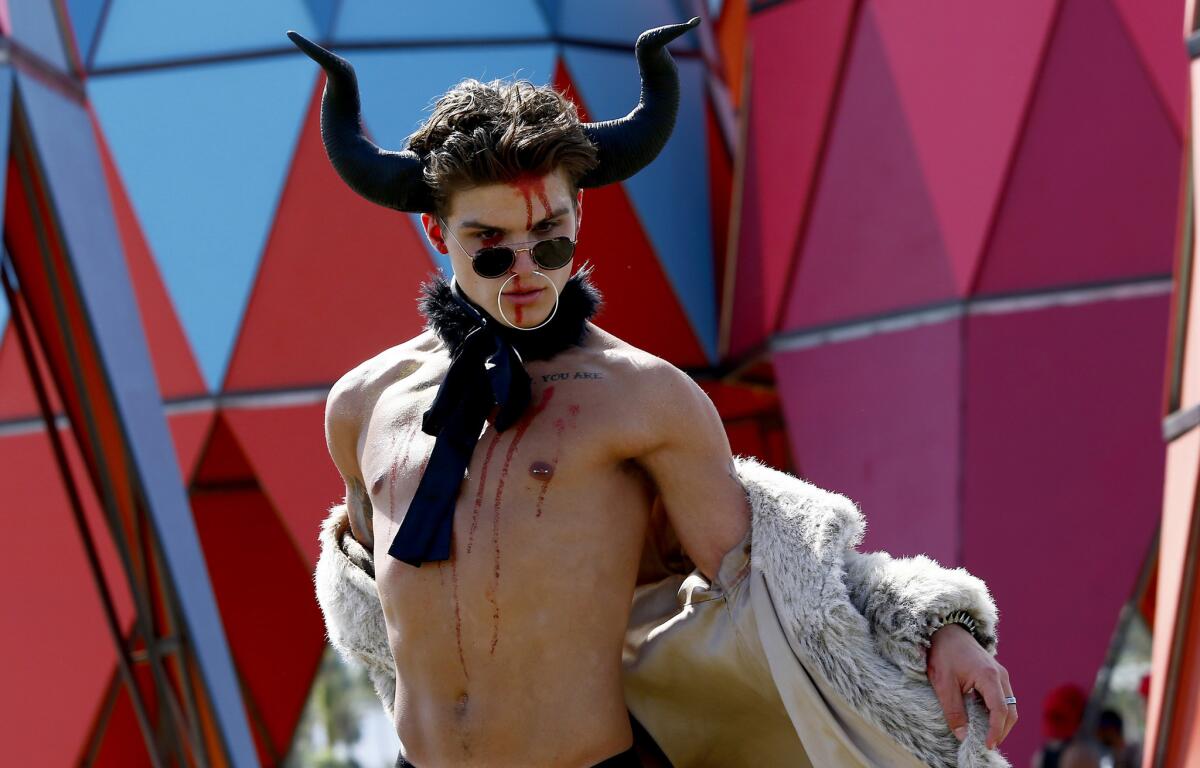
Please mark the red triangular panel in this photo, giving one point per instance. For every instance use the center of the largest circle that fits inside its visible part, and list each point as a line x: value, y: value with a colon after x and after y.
x: 223, y: 463
x: 1082, y: 206
x: 53, y: 636
x: 964, y: 96
x: 338, y: 281
x: 720, y: 179
x: 174, y: 365
x: 872, y: 242
x: 189, y: 430
x: 642, y: 307
x: 17, y: 396
x: 802, y: 45
x: 286, y: 447
x: 265, y: 596
x: 122, y: 744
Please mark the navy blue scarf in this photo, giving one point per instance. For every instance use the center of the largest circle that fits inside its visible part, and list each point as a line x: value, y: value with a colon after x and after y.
x: 486, y: 370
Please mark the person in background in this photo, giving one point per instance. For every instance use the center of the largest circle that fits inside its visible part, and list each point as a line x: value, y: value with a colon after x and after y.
x: 1062, y: 712
x: 1111, y: 734
x: 1082, y: 753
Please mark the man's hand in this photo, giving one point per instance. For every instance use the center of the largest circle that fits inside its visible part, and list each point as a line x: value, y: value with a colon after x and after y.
x: 957, y: 666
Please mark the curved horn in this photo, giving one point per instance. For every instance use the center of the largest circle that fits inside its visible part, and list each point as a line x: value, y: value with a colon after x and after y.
x: 628, y: 144
x: 391, y: 179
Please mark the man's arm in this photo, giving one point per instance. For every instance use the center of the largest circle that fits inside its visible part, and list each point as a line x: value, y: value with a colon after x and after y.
x: 902, y: 599
x: 687, y: 456
x: 343, y: 424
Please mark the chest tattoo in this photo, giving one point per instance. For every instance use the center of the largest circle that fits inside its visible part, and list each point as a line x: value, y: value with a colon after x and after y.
x: 571, y: 375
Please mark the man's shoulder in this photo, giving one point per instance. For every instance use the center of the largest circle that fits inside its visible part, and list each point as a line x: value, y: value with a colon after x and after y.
x: 362, y: 384
x: 642, y: 377
x: 623, y: 358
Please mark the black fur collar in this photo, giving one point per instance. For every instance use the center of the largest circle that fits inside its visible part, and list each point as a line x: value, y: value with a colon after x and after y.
x: 452, y: 316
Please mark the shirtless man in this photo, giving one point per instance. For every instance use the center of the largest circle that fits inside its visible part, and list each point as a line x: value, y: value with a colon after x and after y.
x: 508, y: 651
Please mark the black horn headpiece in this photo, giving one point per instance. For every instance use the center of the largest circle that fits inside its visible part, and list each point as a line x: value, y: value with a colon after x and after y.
x: 396, y: 179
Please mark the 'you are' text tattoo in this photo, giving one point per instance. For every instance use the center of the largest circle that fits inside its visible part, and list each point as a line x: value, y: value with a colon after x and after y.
x: 564, y: 375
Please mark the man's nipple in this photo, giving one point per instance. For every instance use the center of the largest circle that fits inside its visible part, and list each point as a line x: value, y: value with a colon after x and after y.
x: 542, y: 470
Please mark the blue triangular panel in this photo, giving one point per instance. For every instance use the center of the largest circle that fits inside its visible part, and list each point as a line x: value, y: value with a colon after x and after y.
x: 671, y: 195
x: 6, y: 92
x: 399, y: 86
x: 36, y: 28
x: 138, y: 31
x: 550, y: 13
x: 619, y: 21
x: 322, y: 15
x: 204, y: 152
x: 445, y: 20
x: 6, y: 85
x: 85, y: 16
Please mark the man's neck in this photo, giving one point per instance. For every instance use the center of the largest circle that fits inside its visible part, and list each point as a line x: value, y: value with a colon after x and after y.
x: 452, y: 315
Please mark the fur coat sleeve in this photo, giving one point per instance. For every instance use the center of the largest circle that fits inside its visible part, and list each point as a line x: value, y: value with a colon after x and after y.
x: 803, y: 652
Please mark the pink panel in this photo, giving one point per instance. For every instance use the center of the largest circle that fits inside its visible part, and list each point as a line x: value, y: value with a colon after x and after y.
x: 286, y: 447
x: 964, y: 95
x: 802, y: 45
x: 57, y: 653
x: 877, y: 419
x: 1094, y: 191
x: 873, y: 242
x: 1179, y: 497
x: 1063, y: 487
x: 1156, y: 29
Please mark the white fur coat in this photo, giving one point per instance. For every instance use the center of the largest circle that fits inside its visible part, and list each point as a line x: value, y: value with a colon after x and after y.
x: 843, y: 634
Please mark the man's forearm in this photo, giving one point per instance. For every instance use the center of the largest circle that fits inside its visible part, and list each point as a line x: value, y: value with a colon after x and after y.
x: 905, y: 599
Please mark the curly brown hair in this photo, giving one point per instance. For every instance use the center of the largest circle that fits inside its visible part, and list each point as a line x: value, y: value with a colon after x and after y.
x: 496, y: 131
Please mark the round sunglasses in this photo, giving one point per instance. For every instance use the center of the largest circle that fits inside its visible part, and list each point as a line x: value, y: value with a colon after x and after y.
x: 494, y: 261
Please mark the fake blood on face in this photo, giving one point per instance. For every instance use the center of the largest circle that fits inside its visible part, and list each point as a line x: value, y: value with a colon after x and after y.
x: 520, y: 428
x: 528, y: 186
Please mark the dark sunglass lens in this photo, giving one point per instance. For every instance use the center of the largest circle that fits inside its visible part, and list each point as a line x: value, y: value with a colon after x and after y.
x: 553, y: 254
x: 493, y: 262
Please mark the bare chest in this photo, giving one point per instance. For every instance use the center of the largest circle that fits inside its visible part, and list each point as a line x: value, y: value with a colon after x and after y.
x: 545, y: 494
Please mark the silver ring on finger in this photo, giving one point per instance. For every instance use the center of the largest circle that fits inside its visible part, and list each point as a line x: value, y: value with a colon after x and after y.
x: 1010, y: 700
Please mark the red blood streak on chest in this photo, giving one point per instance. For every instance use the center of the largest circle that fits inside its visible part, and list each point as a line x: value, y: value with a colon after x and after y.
x: 520, y: 429
x: 560, y: 426
x: 399, y: 462
x: 483, y: 473
x: 462, y: 659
